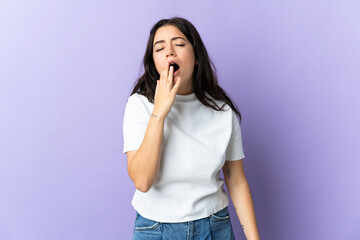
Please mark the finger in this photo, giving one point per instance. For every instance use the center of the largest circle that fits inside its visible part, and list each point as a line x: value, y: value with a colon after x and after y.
x: 166, y: 66
x: 171, y: 74
x: 176, y: 86
x: 157, y: 86
x: 162, y: 76
x: 164, y: 72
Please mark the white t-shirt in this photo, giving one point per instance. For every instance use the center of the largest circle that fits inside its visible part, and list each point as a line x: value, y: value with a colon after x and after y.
x: 196, y: 142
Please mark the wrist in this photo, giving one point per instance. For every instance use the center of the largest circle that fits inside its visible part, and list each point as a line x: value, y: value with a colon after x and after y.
x: 157, y: 115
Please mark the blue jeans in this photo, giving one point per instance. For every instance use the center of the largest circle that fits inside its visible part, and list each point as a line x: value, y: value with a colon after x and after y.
x: 215, y: 227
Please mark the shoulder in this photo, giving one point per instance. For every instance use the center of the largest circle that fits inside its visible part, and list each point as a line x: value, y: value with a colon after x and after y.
x: 137, y: 99
x: 139, y: 103
x: 226, y: 109
x: 136, y: 107
x: 219, y: 103
x: 134, y: 97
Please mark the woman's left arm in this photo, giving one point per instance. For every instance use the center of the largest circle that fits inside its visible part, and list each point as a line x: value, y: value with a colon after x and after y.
x: 241, y: 197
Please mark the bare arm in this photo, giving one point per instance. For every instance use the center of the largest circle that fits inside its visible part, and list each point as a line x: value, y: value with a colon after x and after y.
x: 144, y: 163
x: 241, y: 197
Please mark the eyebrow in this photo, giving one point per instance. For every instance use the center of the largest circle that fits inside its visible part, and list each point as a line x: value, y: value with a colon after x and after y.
x: 174, y: 38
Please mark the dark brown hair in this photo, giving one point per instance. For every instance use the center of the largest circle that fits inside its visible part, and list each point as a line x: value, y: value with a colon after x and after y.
x: 204, y: 75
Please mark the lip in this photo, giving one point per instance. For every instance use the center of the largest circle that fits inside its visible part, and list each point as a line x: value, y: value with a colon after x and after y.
x: 176, y: 64
x: 176, y: 73
x: 173, y: 62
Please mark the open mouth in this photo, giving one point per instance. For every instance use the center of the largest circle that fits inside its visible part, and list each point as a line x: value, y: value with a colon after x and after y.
x: 176, y: 67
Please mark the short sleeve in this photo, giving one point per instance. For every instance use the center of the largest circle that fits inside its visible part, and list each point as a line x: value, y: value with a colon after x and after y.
x: 134, y: 124
x: 234, y: 150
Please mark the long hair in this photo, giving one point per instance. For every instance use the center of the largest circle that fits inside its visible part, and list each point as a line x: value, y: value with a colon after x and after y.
x: 204, y: 75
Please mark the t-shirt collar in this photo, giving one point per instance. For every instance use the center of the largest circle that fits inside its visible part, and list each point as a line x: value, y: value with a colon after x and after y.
x: 185, y: 98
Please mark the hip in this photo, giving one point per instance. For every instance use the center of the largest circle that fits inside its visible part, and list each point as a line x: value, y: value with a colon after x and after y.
x: 215, y: 227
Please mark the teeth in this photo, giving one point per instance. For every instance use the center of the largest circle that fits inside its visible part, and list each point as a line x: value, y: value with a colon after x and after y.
x: 176, y: 67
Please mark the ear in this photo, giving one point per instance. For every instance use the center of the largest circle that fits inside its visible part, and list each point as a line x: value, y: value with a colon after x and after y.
x: 196, y: 62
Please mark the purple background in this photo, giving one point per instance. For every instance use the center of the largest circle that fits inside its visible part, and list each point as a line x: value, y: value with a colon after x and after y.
x: 67, y: 69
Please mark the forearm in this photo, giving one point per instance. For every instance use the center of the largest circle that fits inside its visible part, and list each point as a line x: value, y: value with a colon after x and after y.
x: 244, y: 207
x: 145, y: 163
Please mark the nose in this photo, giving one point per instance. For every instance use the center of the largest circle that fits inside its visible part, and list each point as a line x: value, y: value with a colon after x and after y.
x: 170, y: 52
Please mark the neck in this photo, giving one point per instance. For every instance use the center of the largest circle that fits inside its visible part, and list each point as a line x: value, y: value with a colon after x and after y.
x: 186, y: 92
x: 185, y: 89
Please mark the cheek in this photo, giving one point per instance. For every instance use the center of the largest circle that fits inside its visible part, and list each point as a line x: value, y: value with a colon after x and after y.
x: 190, y: 55
x: 159, y: 61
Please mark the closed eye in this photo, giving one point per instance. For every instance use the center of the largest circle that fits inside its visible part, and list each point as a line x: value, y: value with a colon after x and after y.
x: 181, y: 45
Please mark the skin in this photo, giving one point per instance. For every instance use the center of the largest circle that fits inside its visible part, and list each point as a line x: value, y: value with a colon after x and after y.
x: 179, y: 50
x: 240, y: 194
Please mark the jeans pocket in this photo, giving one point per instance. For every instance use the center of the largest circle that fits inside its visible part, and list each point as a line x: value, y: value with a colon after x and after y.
x: 145, y: 224
x: 221, y: 216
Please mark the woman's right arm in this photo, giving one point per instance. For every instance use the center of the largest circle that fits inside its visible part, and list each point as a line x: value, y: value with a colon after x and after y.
x: 144, y: 163
x: 143, y: 166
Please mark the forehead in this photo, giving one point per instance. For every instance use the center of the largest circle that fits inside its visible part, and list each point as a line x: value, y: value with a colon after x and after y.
x: 168, y: 32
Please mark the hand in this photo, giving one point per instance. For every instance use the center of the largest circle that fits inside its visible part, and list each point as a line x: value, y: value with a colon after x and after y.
x: 165, y: 91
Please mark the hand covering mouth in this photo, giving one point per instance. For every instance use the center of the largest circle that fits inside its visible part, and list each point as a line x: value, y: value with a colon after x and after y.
x: 176, y: 67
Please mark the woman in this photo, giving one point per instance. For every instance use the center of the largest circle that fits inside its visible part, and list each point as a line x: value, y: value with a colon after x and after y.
x: 180, y: 128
